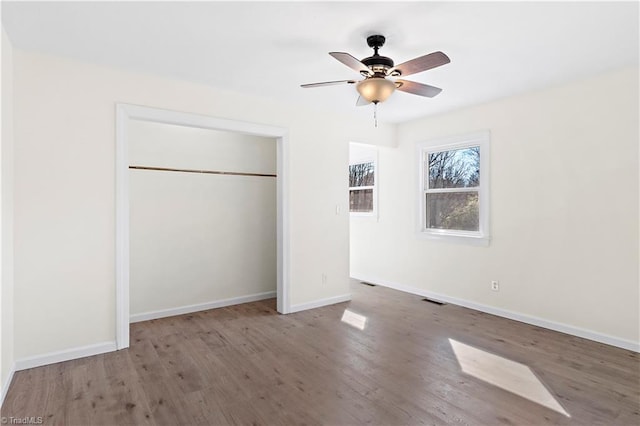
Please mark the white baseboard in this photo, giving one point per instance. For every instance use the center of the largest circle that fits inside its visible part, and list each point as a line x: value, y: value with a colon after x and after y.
x: 6, y: 384
x: 146, y: 316
x: 65, y: 355
x: 540, y: 322
x: 320, y: 303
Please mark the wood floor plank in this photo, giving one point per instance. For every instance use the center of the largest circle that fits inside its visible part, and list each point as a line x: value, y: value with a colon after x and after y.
x: 247, y: 365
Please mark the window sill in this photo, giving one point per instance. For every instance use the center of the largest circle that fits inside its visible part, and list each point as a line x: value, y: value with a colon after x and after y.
x: 471, y: 240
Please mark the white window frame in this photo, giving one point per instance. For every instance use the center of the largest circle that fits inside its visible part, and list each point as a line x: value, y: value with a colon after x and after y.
x: 373, y: 158
x: 480, y: 237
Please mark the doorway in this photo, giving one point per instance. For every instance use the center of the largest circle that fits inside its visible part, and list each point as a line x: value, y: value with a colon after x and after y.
x: 128, y: 116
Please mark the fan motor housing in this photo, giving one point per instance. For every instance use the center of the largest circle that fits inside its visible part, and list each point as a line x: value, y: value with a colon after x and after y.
x: 378, y: 64
x: 377, y: 60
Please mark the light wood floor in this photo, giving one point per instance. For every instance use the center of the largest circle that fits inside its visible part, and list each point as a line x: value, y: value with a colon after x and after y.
x: 248, y: 365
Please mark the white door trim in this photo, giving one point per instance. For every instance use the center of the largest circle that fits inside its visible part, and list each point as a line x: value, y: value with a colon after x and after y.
x: 126, y: 112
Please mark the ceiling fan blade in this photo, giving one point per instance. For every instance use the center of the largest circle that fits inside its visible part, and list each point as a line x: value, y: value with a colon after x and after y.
x: 362, y: 101
x: 417, y: 88
x: 423, y: 63
x: 351, y: 62
x: 327, y: 83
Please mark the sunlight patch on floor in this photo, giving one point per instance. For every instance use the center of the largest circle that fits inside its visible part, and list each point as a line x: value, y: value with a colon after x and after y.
x: 506, y: 374
x: 354, y: 320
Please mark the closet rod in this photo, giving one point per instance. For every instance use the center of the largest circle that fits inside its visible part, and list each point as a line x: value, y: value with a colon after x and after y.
x: 210, y: 172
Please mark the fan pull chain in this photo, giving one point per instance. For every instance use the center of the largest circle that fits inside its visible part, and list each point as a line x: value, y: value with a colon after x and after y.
x: 375, y: 114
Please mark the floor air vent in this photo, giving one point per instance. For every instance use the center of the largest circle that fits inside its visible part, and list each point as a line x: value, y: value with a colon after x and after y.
x: 435, y: 302
x: 369, y: 284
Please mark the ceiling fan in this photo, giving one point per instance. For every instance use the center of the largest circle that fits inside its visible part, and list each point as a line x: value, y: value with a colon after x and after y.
x: 375, y: 69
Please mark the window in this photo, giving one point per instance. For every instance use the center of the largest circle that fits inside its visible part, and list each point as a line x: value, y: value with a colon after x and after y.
x: 361, y: 185
x: 362, y: 180
x: 454, y: 190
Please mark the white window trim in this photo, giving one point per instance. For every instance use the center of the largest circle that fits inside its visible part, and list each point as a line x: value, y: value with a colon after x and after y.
x: 482, y: 236
x: 373, y: 159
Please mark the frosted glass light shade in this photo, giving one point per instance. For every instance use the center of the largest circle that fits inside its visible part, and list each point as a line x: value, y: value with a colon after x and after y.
x: 375, y: 89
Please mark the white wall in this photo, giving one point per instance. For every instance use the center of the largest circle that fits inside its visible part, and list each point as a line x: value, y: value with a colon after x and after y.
x: 360, y: 153
x: 64, y: 114
x: 564, y: 210
x: 199, y: 238
x: 6, y: 212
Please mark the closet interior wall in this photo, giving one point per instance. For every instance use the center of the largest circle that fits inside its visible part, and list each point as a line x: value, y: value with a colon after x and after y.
x: 202, y: 218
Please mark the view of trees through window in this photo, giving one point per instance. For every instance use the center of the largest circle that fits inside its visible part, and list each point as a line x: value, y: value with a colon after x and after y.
x: 452, y: 185
x: 361, y: 182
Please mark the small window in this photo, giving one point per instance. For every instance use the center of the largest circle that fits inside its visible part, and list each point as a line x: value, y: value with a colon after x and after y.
x: 454, y: 188
x: 362, y: 180
x: 361, y: 184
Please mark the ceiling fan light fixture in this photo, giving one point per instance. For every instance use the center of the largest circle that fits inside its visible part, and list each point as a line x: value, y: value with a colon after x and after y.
x: 375, y: 89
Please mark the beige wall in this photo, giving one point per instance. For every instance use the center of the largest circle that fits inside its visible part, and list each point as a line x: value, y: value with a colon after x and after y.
x: 199, y: 238
x: 564, y: 209
x: 64, y: 187
x: 6, y: 212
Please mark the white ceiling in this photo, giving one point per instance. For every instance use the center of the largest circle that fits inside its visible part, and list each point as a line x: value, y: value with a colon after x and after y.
x: 269, y: 49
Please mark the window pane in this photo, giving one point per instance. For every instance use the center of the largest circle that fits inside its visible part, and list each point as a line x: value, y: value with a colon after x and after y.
x: 361, y: 174
x: 361, y: 200
x: 459, y: 168
x: 454, y: 210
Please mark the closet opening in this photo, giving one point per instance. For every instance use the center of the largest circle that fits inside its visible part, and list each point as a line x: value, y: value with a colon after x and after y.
x: 200, y: 215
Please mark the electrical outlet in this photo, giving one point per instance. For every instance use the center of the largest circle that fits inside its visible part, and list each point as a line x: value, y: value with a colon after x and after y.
x: 495, y: 286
